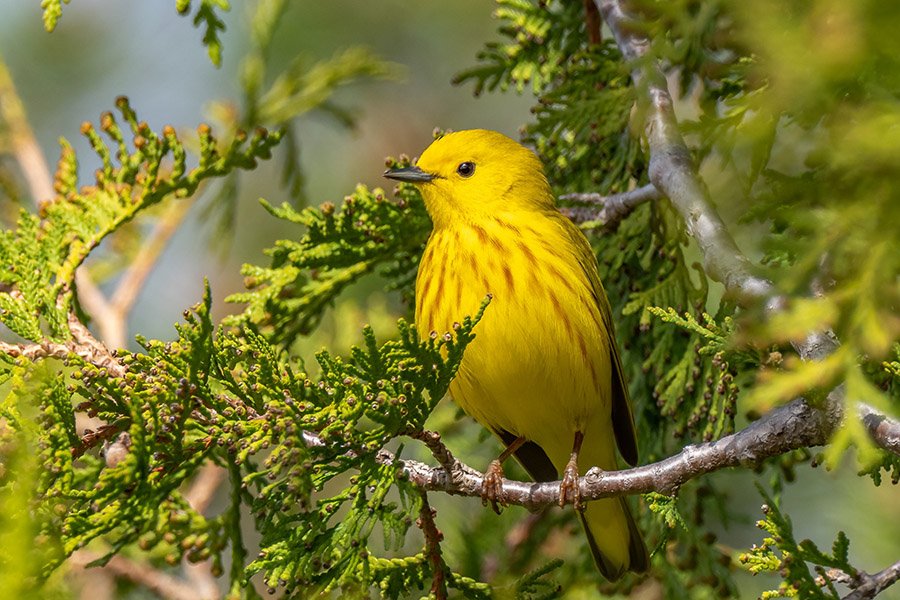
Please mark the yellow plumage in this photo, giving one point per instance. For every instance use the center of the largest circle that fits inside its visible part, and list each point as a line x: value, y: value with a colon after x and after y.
x: 544, y: 364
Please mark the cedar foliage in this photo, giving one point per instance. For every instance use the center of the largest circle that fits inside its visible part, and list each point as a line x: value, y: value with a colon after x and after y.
x: 802, y: 162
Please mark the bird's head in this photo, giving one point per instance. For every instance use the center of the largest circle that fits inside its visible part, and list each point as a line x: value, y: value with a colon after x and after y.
x: 470, y: 175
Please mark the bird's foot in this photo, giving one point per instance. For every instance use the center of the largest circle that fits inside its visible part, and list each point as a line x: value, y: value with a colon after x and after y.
x: 568, y: 488
x: 492, y: 487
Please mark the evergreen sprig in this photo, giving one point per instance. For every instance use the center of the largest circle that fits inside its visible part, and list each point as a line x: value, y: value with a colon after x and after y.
x: 781, y: 553
x: 278, y: 100
x: 207, y: 17
x: 541, y: 37
x: 340, y: 245
x: 44, y: 250
x: 226, y: 395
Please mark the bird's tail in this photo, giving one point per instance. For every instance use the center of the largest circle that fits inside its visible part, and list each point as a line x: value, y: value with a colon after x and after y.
x: 614, y: 538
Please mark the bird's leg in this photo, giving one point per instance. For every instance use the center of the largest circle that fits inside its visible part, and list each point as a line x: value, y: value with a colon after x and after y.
x: 568, y: 488
x: 492, y: 486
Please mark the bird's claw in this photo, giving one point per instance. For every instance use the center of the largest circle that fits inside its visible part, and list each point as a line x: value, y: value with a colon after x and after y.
x: 568, y: 487
x: 492, y: 487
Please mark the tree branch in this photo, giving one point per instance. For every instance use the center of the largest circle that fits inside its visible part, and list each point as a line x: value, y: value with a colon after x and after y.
x: 156, y: 581
x: 790, y: 427
x: 612, y: 208
x: 433, y: 539
x: 87, y: 348
x: 869, y: 586
x: 24, y: 145
x: 884, y: 430
x: 672, y: 169
x: 795, y: 425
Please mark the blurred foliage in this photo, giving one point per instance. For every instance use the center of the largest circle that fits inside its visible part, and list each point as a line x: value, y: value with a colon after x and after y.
x: 793, y: 119
x: 205, y: 16
x: 278, y: 100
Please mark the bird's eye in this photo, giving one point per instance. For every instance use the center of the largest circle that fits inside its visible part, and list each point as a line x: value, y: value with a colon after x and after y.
x: 466, y: 169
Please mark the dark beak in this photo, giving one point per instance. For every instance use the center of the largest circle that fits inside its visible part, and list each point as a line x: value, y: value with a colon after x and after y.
x: 410, y: 174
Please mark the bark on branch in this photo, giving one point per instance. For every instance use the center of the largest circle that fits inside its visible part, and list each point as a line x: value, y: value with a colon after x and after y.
x: 672, y: 169
x: 612, y: 208
x: 868, y: 586
x: 790, y: 427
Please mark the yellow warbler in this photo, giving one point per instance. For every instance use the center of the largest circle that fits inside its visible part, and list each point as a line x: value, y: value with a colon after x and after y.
x: 543, y: 372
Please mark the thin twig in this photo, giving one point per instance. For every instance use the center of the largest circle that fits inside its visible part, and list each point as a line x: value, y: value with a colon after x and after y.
x: 593, y: 23
x: 62, y: 351
x: 433, y: 539
x: 156, y: 581
x: 870, y: 586
x: 201, y: 493
x: 204, y: 486
x: 608, y: 210
x: 439, y: 450
x: 24, y: 145
x: 133, y: 278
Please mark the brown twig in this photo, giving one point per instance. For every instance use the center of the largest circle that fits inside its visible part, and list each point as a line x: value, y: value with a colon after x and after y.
x: 97, y: 356
x: 439, y: 450
x: 593, y: 23
x: 92, y: 437
x: 433, y: 539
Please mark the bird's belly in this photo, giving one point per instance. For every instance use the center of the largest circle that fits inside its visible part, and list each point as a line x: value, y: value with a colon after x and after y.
x: 533, y: 370
x: 525, y: 374
x: 539, y: 365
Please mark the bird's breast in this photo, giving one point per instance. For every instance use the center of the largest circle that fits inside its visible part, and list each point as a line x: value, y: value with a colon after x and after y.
x: 541, y: 340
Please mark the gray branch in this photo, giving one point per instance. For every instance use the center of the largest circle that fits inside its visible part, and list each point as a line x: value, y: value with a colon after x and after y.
x: 673, y: 173
x: 790, y: 427
x: 608, y: 210
x: 884, y: 430
x: 672, y: 169
x: 869, y: 586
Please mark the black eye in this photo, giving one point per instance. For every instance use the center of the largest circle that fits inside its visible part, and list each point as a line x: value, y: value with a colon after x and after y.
x: 466, y: 169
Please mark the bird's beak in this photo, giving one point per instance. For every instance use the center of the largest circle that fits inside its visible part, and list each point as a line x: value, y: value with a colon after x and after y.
x: 410, y: 174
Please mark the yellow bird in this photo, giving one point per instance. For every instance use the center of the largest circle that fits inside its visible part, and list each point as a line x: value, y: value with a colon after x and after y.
x: 543, y: 372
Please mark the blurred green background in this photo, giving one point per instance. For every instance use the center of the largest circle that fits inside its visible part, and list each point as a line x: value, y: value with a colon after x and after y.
x: 142, y: 49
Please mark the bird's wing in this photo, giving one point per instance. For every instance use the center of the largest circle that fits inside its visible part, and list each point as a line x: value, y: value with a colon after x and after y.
x: 622, y: 418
